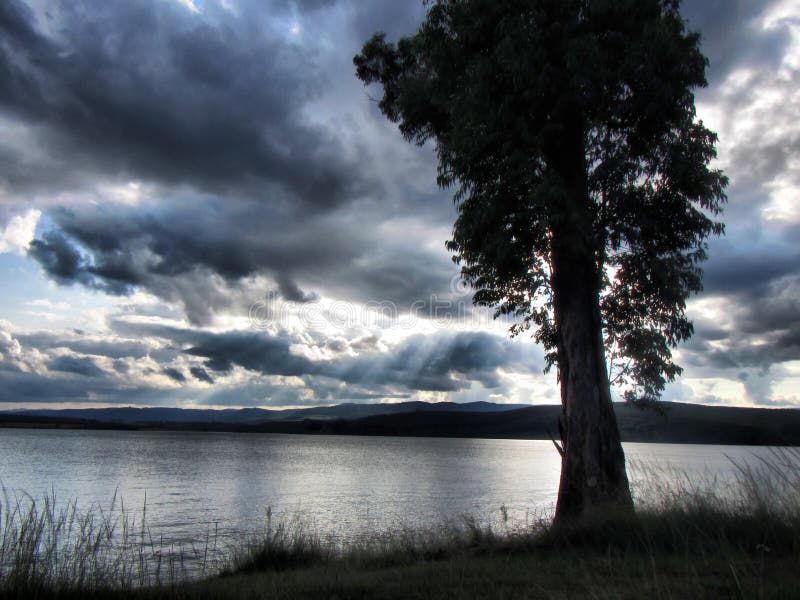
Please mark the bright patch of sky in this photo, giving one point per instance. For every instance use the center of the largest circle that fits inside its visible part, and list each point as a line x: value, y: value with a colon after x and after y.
x: 189, y: 5
x: 33, y: 303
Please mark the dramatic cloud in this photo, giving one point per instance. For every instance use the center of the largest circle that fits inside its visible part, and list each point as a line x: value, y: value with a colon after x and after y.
x: 732, y: 33
x: 176, y: 252
x: 139, y: 89
x: 442, y: 361
x: 79, y: 366
x: 254, y: 232
x: 201, y: 374
x: 144, y: 91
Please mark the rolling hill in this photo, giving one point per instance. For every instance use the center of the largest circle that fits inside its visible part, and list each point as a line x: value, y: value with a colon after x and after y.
x: 676, y: 423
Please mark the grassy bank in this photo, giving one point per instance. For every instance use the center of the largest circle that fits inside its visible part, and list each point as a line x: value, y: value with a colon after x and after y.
x: 689, y: 539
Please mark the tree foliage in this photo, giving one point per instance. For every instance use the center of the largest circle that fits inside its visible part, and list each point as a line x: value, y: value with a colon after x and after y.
x: 496, y: 84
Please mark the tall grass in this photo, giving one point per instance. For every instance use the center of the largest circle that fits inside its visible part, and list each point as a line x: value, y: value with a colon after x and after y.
x: 754, y: 512
x: 54, y: 547
x: 281, y: 545
x: 764, y: 485
x: 295, y: 543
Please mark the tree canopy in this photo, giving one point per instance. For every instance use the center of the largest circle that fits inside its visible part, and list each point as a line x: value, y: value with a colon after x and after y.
x: 492, y: 82
x: 581, y: 173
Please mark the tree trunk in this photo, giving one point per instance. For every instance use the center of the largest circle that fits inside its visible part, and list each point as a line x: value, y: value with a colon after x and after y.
x: 593, y: 464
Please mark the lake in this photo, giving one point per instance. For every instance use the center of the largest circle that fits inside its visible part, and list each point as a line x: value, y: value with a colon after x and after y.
x: 197, y: 484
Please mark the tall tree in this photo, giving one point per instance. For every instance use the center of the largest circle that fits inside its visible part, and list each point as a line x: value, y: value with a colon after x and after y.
x: 582, y: 178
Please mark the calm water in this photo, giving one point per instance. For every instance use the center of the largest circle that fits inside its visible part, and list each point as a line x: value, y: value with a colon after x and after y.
x: 194, y: 483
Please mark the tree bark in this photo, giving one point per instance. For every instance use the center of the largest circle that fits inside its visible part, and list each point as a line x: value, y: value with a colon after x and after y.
x: 593, y: 473
x: 593, y: 465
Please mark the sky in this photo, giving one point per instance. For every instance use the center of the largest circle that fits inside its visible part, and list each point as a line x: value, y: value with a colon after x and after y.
x: 201, y: 206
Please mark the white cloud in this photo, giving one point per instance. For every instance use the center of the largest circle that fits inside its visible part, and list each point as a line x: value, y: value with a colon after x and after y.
x: 783, y: 205
x: 783, y: 13
x: 19, y: 232
x: 189, y: 5
x: 45, y: 303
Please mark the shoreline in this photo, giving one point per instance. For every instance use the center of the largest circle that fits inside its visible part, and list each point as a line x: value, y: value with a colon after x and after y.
x: 451, y: 425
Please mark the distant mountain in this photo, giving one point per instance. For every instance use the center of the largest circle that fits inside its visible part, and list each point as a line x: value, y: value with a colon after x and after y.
x: 678, y: 423
x: 137, y: 416
x: 140, y: 416
x: 701, y: 424
x: 359, y: 411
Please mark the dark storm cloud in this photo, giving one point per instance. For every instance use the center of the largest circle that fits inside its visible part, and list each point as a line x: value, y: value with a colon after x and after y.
x: 172, y: 97
x: 394, y: 18
x: 60, y: 258
x: 765, y: 330
x: 301, y: 5
x: 201, y: 374
x: 115, y: 349
x: 753, y: 273
x: 73, y: 364
x: 174, y: 374
x: 440, y: 362
x: 730, y: 33
x: 148, y: 90
x: 750, y: 270
x: 22, y: 89
x: 171, y: 251
x: 253, y: 351
x: 34, y: 388
x: 444, y: 361
x: 774, y: 319
x: 262, y: 157
x: 64, y: 262
x: 290, y: 291
x: 734, y: 38
x: 314, y: 392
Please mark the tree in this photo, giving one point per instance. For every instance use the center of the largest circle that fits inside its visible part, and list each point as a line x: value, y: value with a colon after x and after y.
x: 583, y: 186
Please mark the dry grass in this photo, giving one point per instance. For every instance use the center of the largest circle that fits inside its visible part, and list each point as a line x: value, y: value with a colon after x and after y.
x: 49, y: 546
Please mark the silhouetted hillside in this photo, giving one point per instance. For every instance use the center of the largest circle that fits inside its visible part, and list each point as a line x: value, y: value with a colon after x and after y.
x: 679, y: 423
x: 138, y: 416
